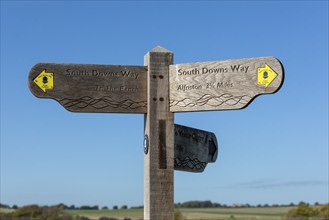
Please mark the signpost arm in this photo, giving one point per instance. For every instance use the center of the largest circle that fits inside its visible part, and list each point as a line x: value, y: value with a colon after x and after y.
x: 159, y: 139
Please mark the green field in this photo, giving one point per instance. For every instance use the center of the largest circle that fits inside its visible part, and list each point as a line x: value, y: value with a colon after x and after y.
x: 250, y: 213
x: 271, y: 213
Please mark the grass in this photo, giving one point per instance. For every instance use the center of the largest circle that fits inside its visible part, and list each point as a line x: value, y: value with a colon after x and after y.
x: 235, y: 213
x: 5, y: 210
x: 134, y: 214
x: 268, y: 213
x: 255, y: 213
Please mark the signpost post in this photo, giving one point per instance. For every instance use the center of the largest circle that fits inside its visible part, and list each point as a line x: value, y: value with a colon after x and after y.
x: 159, y: 129
x: 157, y: 90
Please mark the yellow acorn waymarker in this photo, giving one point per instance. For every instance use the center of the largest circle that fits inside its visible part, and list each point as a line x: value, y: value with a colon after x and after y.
x: 266, y: 75
x: 45, y: 80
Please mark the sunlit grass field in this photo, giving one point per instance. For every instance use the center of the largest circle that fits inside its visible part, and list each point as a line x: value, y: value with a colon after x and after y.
x: 268, y: 213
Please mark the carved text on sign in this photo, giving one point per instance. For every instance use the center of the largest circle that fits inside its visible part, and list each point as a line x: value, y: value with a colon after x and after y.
x: 222, y: 85
x: 92, y: 88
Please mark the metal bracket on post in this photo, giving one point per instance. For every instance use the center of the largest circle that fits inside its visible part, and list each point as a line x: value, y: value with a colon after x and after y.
x: 159, y: 127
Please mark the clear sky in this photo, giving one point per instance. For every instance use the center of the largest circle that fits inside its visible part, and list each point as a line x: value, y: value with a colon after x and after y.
x: 275, y: 151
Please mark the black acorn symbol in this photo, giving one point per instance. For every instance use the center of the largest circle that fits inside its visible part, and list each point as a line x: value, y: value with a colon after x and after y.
x: 265, y: 75
x: 45, y: 80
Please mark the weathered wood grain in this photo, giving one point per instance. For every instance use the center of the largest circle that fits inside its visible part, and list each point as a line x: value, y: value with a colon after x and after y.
x: 159, y: 127
x: 222, y: 85
x: 94, y: 88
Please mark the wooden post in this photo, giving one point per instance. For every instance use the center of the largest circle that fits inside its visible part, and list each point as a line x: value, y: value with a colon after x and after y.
x: 159, y: 139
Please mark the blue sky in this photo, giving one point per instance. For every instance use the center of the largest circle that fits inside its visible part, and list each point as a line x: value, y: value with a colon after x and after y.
x: 275, y: 151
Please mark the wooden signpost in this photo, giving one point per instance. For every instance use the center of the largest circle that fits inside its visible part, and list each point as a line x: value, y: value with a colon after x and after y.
x: 157, y: 90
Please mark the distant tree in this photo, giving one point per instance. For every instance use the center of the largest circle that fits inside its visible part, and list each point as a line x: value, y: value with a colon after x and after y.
x: 115, y: 207
x: 124, y: 207
x: 137, y: 207
x: 84, y: 207
x: 301, y: 203
x: 177, y: 205
x: 14, y: 207
x: 95, y: 207
x: 105, y: 208
x: 61, y: 205
x: 4, y: 206
x: 198, y: 204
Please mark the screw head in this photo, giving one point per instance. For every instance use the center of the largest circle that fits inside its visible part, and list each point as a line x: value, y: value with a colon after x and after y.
x: 146, y: 144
